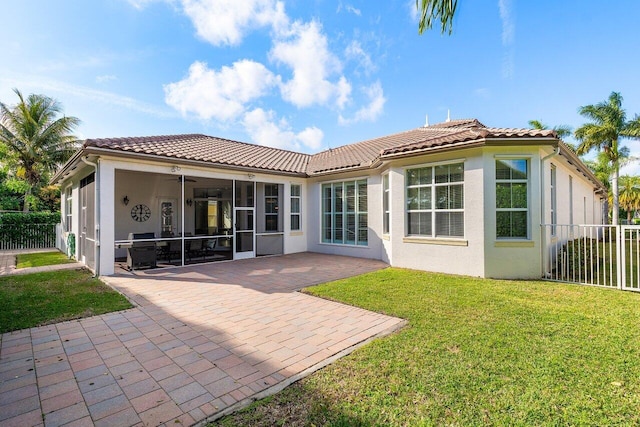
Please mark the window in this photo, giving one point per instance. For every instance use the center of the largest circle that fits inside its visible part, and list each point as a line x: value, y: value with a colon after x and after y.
x: 435, y: 201
x: 295, y: 206
x: 344, y: 213
x: 571, y: 200
x: 68, y: 208
x: 385, y: 204
x: 512, y: 195
x: 554, y: 201
x: 271, y: 207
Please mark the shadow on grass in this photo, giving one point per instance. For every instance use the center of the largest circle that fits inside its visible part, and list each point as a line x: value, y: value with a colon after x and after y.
x: 300, y: 404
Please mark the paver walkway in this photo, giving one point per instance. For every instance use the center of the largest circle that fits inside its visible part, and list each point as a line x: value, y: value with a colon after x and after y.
x: 8, y: 263
x: 203, y: 341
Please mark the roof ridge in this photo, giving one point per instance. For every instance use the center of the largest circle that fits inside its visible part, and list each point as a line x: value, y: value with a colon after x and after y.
x: 328, y: 150
x: 152, y: 138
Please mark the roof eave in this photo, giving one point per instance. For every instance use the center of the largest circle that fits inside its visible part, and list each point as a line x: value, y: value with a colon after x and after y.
x: 574, y: 160
x: 437, y: 149
x: 58, y: 176
x: 128, y: 154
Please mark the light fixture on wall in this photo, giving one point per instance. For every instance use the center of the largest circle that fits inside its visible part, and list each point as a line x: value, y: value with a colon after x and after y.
x: 189, y: 202
x: 125, y: 200
x: 251, y: 176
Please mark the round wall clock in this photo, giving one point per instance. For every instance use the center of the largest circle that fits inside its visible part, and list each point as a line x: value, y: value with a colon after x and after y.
x: 140, y: 212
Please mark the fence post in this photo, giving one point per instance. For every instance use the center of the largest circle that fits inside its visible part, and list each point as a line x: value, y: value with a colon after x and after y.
x: 619, y: 255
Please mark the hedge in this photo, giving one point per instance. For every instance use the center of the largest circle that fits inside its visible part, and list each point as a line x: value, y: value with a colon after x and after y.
x: 28, y: 230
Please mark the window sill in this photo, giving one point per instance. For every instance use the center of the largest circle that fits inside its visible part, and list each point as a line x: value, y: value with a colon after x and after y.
x: 514, y: 244
x: 345, y: 245
x: 432, y: 241
x: 386, y: 237
x: 296, y: 233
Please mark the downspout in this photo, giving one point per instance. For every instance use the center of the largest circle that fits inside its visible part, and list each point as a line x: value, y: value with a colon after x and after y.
x: 542, y: 206
x: 96, y: 248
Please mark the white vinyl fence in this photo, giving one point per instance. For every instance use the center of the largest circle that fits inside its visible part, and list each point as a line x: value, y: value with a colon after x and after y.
x: 596, y: 255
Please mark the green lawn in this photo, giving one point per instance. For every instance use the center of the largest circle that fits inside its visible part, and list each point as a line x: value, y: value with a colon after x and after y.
x: 42, y: 298
x: 40, y: 259
x: 475, y: 352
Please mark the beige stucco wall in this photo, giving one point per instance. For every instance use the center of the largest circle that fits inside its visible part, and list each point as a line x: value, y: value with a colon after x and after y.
x: 478, y: 253
x: 148, y: 182
x: 374, y: 216
x: 456, y: 256
x: 512, y: 258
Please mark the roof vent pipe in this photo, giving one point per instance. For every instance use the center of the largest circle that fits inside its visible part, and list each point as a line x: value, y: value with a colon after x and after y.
x: 448, y: 115
x: 426, y: 121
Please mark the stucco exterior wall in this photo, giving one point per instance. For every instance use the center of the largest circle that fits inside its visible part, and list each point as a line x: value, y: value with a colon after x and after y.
x: 148, y: 182
x: 478, y: 253
x: 512, y: 258
x: 585, y: 203
x: 374, y: 216
x: 456, y: 256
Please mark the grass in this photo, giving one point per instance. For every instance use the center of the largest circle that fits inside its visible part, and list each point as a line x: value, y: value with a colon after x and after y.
x: 40, y: 259
x: 43, y: 298
x: 475, y: 352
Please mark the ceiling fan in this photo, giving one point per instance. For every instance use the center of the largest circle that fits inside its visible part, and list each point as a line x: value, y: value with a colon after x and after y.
x: 180, y: 178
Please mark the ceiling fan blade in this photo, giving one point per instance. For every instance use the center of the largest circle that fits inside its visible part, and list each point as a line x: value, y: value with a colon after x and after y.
x: 179, y: 179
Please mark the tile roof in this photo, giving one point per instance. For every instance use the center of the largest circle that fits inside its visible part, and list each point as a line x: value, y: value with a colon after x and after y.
x: 208, y: 149
x: 364, y: 154
x: 441, y: 135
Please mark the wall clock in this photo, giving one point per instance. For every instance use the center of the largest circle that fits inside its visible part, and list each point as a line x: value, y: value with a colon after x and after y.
x: 140, y: 212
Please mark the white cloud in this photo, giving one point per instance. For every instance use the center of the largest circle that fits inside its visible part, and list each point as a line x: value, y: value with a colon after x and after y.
x: 106, y: 78
x: 508, y: 37
x: 353, y: 10
x: 140, y: 4
x: 311, y: 137
x: 265, y: 129
x: 219, y: 94
x: 349, y: 8
x: 44, y: 84
x: 305, y: 50
x: 354, y: 51
x: 413, y: 11
x: 372, y: 110
x: 508, y: 23
x: 225, y: 22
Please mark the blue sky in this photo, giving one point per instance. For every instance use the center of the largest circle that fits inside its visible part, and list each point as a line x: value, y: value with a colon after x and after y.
x: 307, y: 75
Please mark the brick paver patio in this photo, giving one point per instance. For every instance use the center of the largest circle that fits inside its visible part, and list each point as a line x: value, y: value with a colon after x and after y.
x: 202, y: 342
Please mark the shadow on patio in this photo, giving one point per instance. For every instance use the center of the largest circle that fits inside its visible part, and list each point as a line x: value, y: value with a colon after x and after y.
x: 188, y: 352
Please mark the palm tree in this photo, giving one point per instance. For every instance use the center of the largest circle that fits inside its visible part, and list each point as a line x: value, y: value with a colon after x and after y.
x: 608, y: 125
x: 432, y: 10
x: 33, y: 140
x: 562, y: 131
x: 629, y: 194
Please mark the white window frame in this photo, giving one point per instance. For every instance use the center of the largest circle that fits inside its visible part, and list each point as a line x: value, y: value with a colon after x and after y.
x: 68, y: 208
x: 332, y: 213
x: 433, y: 210
x: 271, y: 200
x: 386, y: 203
x: 526, y: 181
x: 296, y: 214
x: 554, y: 199
x: 570, y: 200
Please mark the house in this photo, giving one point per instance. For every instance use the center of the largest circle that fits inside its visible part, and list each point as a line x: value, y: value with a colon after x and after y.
x: 455, y: 197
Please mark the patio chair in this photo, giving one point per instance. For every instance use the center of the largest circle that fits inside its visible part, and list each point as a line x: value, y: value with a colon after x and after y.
x: 172, y: 250
x: 194, y: 249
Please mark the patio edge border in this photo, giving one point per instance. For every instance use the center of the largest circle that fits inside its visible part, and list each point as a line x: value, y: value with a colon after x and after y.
x: 297, y: 377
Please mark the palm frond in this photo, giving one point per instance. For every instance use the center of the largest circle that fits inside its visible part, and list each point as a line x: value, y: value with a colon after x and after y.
x: 433, y: 10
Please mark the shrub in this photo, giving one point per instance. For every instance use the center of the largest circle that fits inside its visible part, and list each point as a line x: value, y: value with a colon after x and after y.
x: 579, y: 259
x: 28, y: 230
